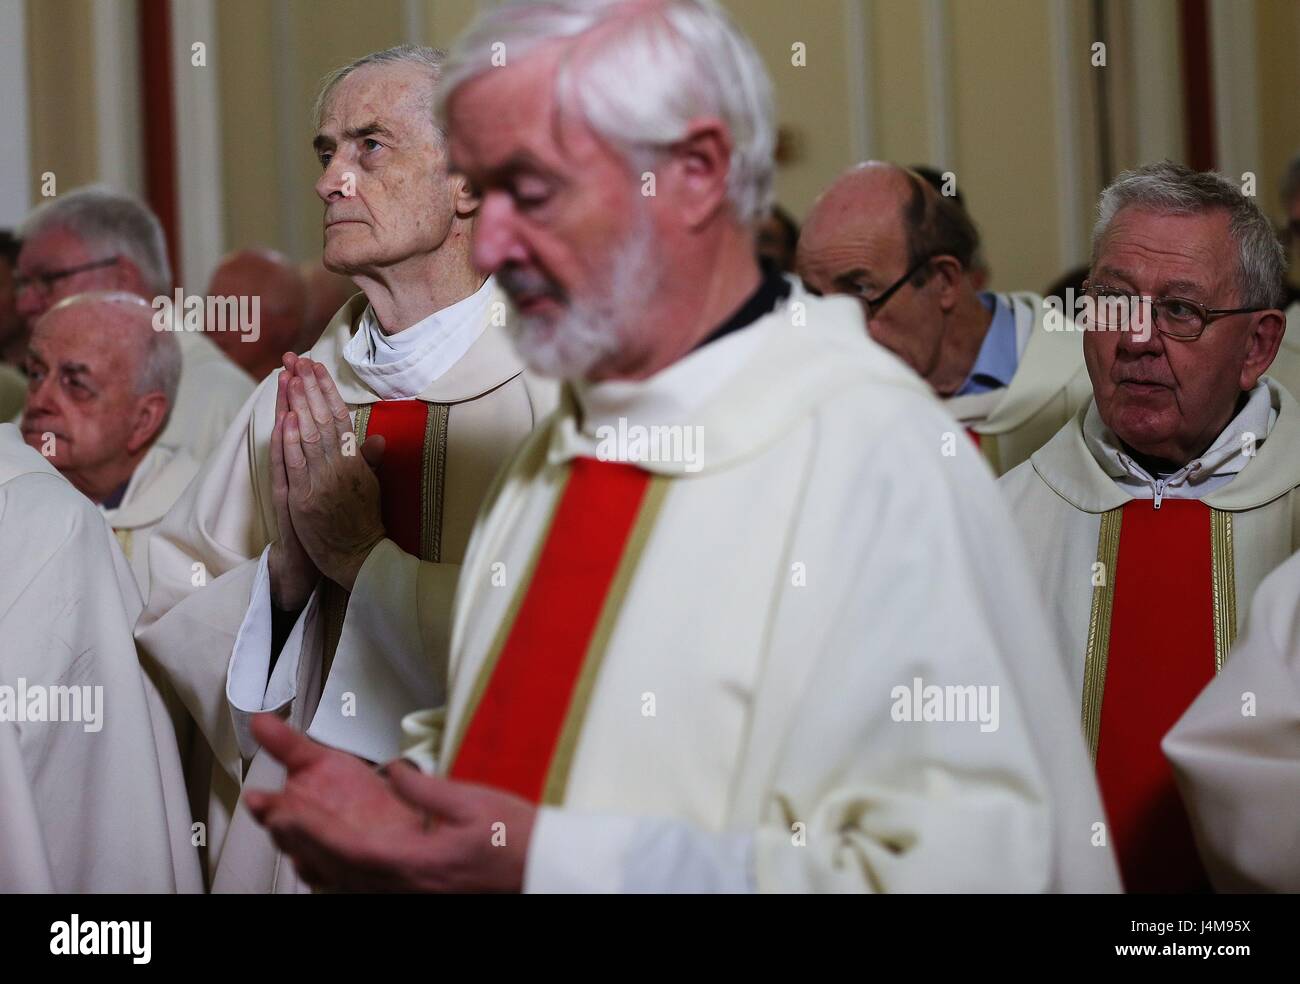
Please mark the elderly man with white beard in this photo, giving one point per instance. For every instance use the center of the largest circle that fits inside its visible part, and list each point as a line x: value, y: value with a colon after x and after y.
x: 292, y: 577
x: 686, y: 679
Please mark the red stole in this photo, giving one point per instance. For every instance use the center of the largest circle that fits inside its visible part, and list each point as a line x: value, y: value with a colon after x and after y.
x: 410, y: 489
x: 1161, y: 655
x: 536, y: 686
x: 403, y: 424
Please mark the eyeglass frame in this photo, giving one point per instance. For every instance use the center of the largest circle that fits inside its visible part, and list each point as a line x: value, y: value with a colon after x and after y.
x: 1208, y: 315
x: 48, y: 280
x: 874, y: 304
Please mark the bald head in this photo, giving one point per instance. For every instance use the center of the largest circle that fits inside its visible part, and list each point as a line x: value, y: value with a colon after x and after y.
x: 102, y: 384
x: 282, y: 303
x: 884, y: 235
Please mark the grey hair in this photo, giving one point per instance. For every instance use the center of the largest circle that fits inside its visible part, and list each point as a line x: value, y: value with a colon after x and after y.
x: 659, y: 66
x: 430, y: 59
x: 111, y: 221
x: 160, y: 369
x: 1175, y: 189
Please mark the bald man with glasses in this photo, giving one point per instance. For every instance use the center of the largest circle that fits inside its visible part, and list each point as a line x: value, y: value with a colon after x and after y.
x: 881, y: 234
x: 1156, y: 511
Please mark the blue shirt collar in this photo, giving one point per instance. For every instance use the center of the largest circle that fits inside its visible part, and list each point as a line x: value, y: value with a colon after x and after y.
x: 999, y: 355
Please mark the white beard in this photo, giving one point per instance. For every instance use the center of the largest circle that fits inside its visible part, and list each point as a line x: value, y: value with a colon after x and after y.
x: 593, y: 329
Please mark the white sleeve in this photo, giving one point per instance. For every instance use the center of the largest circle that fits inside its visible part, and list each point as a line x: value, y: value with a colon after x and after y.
x: 391, y: 658
x: 591, y: 853
x: 248, y: 690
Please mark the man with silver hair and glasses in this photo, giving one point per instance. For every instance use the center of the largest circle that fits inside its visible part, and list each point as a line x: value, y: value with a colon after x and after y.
x: 328, y: 528
x: 95, y: 239
x: 101, y: 385
x: 1158, y: 509
x: 699, y: 665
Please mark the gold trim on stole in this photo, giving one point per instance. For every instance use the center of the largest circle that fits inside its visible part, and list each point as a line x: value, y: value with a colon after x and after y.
x: 334, y: 599
x: 503, y: 630
x: 1098, y: 647
x: 557, y: 775
x: 432, y: 475
x: 124, y: 540
x: 1225, y: 585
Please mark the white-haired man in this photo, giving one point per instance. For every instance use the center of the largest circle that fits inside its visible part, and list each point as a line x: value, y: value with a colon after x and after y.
x: 674, y: 670
x: 95, y: 239
x: 91, y: 793
x: 324, y: 588
x: 1155, y: 513
x: 101, y: 385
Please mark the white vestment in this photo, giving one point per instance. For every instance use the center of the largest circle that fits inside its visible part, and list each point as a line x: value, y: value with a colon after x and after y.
x: 818, y: 556
x: 156, y: 484
x: 211, y: 392
x: 1059, y: 497
x: 1236, y: 751
x: 91, y: 793
x: 210, y: 597
x: 1050, y: 385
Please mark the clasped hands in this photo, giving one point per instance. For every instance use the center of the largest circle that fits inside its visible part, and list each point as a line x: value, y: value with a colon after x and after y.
x: 323, y: 484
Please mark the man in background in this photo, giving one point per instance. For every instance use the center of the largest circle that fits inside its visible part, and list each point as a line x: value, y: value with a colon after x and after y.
x: 102, y: 383
x: 281, y: 296
x: 98, y: 239
x: 884, y: 236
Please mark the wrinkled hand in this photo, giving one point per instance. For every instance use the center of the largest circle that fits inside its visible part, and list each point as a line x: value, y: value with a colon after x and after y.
x: 293, y: 575
x: 333, y: 491
x: 347, y: 829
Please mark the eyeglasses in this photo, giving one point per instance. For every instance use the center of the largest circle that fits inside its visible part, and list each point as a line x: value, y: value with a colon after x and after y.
x: 874, y: 304
x: 1177, y: 317
x: 46, y: 281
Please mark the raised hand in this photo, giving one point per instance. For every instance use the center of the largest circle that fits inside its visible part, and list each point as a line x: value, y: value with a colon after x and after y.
x: 293, y: 574
x: 333, y: 492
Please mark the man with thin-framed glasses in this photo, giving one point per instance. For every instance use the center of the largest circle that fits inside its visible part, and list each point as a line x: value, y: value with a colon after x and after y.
x: 883, y: 235
x: 1156, y: 511
x: 98, y: 239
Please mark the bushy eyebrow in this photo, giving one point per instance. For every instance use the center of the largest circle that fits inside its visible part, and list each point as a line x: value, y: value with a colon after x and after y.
x: 1173, y: 285
x: 372, y: 129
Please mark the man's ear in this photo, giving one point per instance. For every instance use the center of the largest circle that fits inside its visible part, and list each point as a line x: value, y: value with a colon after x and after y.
x: 464, y: 196
x: 948, y: 277
x: 1265, y: 339
x: 150, y: 411
x: 696, y: 171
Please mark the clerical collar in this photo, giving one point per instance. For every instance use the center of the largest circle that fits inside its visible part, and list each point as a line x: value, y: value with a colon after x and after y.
x: 401, y: 366
x: 1230, y: 452
x: 772, y: 289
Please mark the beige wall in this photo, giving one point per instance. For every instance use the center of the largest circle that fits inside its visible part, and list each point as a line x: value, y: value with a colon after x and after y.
x: 61, y: 94
x: 1013, y: 106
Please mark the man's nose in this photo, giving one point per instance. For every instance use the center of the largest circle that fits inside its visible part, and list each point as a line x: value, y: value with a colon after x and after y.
x: 41, y: 398
x: 495, y: 241
x: 338, y: 180
x: 1139, y: 335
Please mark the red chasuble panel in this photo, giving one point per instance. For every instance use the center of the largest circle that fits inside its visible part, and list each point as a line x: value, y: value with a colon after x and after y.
x: 971, y: 433
x: 402, y: 424
x: 1161, y: 656
x: 511, y: 740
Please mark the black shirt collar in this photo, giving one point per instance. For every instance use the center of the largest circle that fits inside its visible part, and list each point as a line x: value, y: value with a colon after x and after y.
x: 772, y: 289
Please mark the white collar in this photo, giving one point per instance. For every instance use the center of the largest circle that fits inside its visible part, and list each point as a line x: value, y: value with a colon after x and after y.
x: 1231, y: 451
x: 400, y: 366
